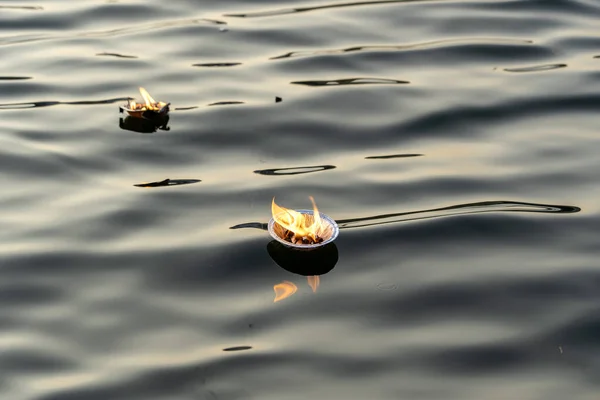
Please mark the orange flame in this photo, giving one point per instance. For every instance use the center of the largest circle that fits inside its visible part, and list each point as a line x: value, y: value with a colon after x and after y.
x: 302, y: 225
x: 284, y: 290
x: 313, y: 282
x: 148, y: 104
x: 147, y: 98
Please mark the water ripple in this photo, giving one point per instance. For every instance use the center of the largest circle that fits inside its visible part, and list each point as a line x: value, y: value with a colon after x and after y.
x: 417, y: 46
x: 38, y: 104
x: 238, y: 348
x: 351, y: 81
x: 122, y: 31
x: 294, y: 170
x: 387, y: 157
x: 30, y: 8
x: 168, y: 182
x: 116, y: 55
x: 283, y: 11
x: 226, y: 103
x: 15, y: 78
x: 536, y: 68
x: 115, y: 284
x: 460, y: 209
x: 228, y: 64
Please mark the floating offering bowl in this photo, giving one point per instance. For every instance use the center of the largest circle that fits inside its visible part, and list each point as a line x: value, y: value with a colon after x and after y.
x: 325, y: 233
x: 149, y: 109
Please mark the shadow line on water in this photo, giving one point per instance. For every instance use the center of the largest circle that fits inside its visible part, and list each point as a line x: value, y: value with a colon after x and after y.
x: 460, y: 209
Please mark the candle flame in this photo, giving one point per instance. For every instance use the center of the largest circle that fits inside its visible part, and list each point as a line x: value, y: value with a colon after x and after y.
x: 150, y: 102
x: 301, y: 225
x: 284, y: 290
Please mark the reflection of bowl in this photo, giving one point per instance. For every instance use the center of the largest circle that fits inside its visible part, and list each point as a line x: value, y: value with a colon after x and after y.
x: 142, y: 125
x: 329, y: 235
x: 306, y: 263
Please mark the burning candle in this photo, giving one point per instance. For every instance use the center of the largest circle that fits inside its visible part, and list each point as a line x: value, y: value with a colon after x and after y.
x: 149, y: 108
x: 301, y: 229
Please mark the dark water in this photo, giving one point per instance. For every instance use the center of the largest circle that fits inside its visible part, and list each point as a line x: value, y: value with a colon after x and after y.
x: 456, y: 143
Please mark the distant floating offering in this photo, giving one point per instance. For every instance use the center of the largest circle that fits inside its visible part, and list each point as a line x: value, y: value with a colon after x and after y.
x: 302, y: 229
x: 149, y: 109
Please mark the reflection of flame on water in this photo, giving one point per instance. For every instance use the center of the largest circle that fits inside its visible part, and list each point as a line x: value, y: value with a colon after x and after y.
x: 313, y: 282
x: 284, y: 290
x: 311, y: 264
x: 300, y: 228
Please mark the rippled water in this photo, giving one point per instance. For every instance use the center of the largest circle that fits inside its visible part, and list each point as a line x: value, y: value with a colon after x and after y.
x: 455, y: 142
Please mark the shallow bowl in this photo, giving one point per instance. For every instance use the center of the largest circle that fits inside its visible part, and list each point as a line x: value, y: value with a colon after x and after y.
x: 335, y: 231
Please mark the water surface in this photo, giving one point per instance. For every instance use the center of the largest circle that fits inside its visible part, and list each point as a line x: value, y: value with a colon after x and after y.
x: 455, y: 142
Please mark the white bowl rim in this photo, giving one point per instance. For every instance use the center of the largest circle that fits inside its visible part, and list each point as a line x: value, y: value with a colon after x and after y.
x: 330, y: 221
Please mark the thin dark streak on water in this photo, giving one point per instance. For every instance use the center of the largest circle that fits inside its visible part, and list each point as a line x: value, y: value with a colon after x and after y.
x: 226, y: 103
x: 15, y: 78
x: 351, y: 81
x: 185, y: 108
x: 238, y: 348
x: 230, y: 64
x: 116, y: 55
x: 387, y: 157
x: 536, y: 68
x: 255, y: 225
x: 294, y: 170
x: 168, y: 182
